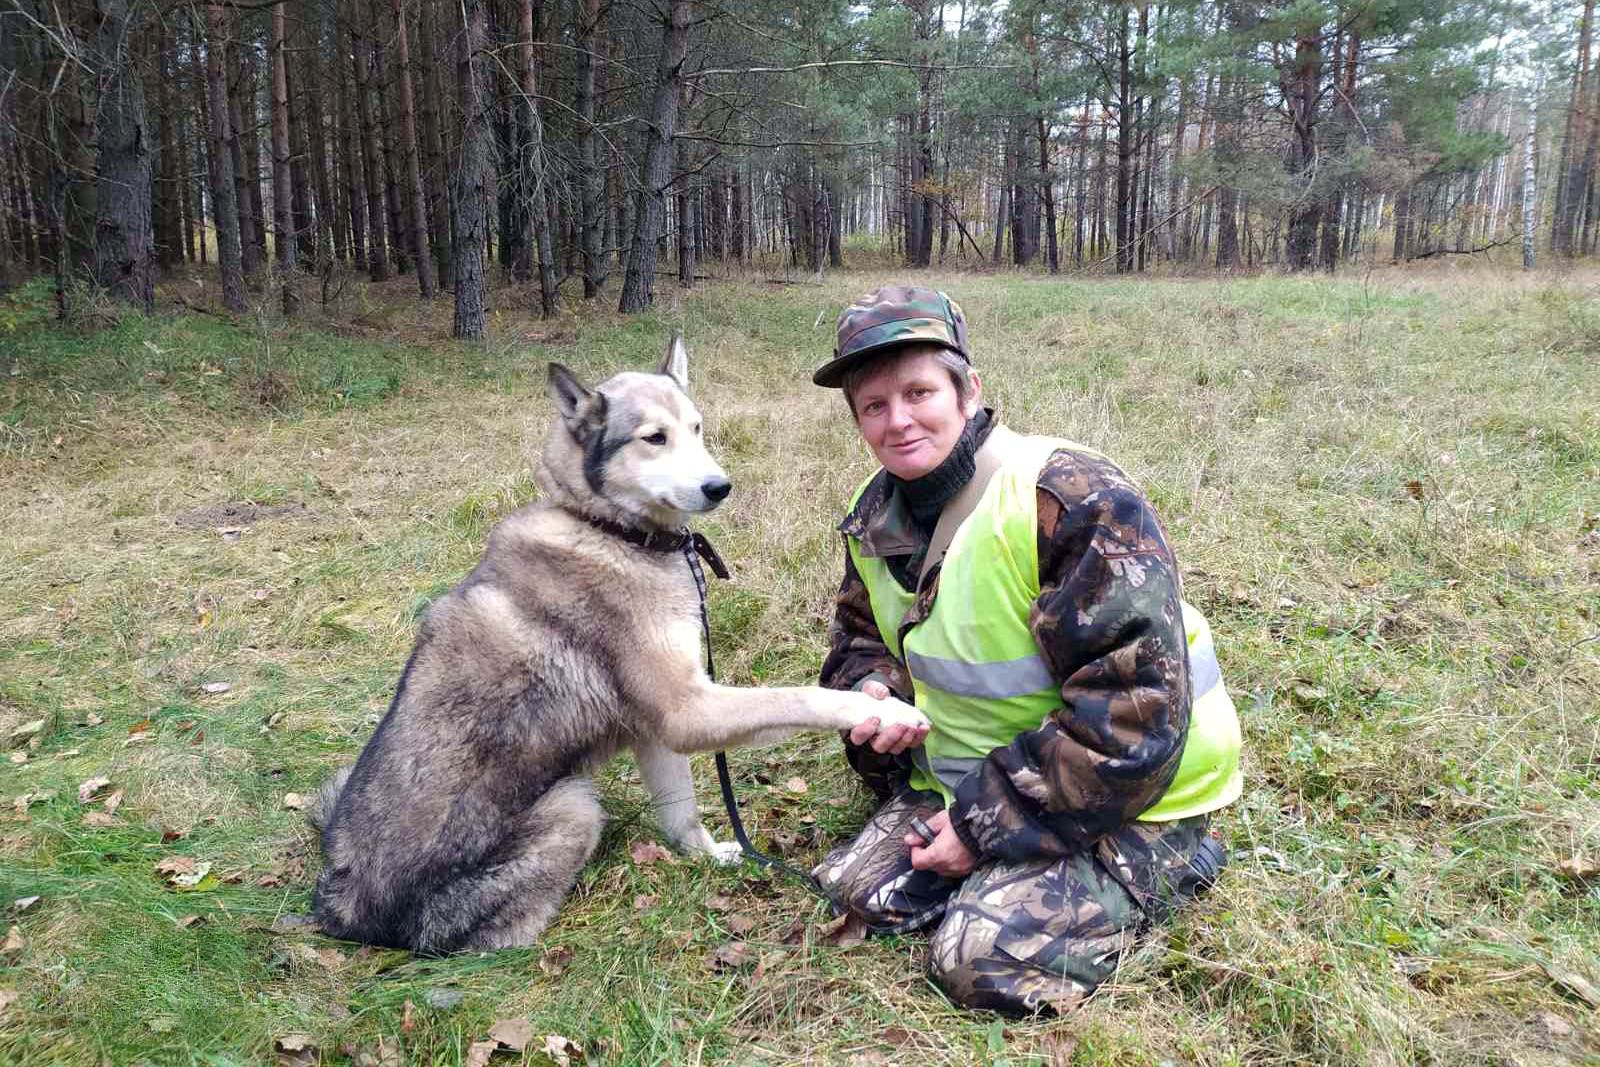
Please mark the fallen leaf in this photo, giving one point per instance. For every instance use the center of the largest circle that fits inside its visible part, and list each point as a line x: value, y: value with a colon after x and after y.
x: 1574, y: 983
x: 169, y: 836
x: 719, y: 904
x: 562, y: 1049
x: 1578, y: 868
x: 741, y: 925
x: 23, y: 905
x: 20, y: 734
x: 295, y: 1050
x: 102, y: 819
x: 141, y: 726
x: 94, y: 720
x: 19, y: 757
x: 14, y: 944
x: 407, y: 1021
x: 330, y: 958
x: 443, y: 998
x: 69, y: 753
x: 478, y: 1053
x: 514, y: 1034
x: 197, y: 737
x: 260, y: 594
x: 387, y: 1054
x: 768, y: 962
x: 192, y: 878
x: 1060, y: 1048
x: 136, y: 739
x: 645, y: 853
x: 190, y: 920
x: 290, y: 923
x: 793, y: 934
x: 555, y: 961
x: 1553, y: 1024
x: 1414, y: 488
x: 895, y: 1035
x: 87, y: 790
x: 216, y: 687
x: 847, y: 931
x: 113, y: 802
x: 174, y: 865
x: 295, y: 801
x: 796, y: 785
x: 8, y: 997
x: 644, y: 901
x: 731, y: 955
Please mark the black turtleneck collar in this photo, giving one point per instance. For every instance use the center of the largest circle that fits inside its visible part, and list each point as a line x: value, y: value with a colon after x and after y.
x: 926, y: 496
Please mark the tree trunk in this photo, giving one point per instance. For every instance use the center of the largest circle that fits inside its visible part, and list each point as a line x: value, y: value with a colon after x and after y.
x: 1530, y: 191
x: 241, y: 80
x: 408, y: 141
x: 433, y: 100
x: 124, y: 252
x: 533, y: 166
x: 361, y: 59
x: 591, y: 209
x: 1126, y: 148
x: 350, y: 153
x: 282, y: 197
x: 638, y: 285
x: 469, y: 201
x: 224, y: 206
x: 383, y: 106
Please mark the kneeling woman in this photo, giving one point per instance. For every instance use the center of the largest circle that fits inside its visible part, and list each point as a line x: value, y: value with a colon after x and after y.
x: 1022, y: 591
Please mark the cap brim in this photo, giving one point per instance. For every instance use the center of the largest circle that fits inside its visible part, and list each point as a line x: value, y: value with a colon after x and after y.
x: 831, y: 374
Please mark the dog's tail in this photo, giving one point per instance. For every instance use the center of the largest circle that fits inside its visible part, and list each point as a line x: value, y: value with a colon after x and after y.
x: 320, y: 810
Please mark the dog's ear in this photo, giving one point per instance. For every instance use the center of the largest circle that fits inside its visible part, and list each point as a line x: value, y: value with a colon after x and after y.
x: 675, y: 364
x: 582, y: 409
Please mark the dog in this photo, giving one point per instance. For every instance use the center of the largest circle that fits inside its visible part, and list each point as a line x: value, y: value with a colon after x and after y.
x: 469, y: 813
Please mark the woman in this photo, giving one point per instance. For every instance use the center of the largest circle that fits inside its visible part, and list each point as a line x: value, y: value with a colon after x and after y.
x: 1022, y: 592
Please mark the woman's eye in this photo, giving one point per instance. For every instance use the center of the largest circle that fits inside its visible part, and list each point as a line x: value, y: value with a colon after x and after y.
x: 657, y: 438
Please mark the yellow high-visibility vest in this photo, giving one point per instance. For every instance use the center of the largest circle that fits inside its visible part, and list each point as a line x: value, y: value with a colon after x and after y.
x: 976, y: 667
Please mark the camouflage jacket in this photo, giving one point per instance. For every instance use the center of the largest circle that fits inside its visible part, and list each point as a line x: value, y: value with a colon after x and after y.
x: 1108, y: 625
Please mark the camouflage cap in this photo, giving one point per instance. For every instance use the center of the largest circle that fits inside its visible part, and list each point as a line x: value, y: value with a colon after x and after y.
x: 893, y: 315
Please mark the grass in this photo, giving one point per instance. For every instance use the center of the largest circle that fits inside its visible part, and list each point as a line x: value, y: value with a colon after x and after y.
x: 1384, y: 491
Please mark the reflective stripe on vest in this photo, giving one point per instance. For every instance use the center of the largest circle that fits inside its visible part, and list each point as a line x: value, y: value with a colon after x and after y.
x: 975, y: 665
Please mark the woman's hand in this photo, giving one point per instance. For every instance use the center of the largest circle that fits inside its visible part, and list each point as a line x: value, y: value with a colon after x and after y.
x: 889, y: 740
x: 947, y: 855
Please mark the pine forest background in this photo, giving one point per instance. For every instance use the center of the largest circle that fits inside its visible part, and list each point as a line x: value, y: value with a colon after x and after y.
x: 586, y: 144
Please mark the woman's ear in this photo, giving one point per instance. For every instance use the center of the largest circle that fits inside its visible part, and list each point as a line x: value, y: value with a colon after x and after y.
x: 974, y: 394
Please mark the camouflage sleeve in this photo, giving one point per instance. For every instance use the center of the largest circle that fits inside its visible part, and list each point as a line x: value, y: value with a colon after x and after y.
x: 1109, y: 626
x: 856, y: 654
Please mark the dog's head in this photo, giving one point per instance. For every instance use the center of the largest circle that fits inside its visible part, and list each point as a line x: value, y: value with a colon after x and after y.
x: 637, y: 438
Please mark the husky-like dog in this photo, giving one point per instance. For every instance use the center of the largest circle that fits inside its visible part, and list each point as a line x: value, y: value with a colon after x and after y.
x: 471, y: 810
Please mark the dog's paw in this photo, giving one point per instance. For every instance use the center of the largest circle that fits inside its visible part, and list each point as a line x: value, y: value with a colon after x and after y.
x: 726, y: 853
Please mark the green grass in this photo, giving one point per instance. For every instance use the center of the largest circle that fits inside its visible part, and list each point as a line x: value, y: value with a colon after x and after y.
x: 1384, y: 493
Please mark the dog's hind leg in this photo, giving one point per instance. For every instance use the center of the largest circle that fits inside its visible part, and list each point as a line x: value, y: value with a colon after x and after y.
x: 667, y: 776
x: 509, y: 904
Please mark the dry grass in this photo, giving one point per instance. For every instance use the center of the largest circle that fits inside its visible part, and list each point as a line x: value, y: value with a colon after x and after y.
x: 1382, y: 489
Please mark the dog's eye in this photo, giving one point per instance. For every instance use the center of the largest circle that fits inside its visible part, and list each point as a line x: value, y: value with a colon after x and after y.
x: 657, y: 438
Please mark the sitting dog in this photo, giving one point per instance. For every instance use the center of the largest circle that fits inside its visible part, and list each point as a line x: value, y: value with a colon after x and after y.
x: 468, y: 815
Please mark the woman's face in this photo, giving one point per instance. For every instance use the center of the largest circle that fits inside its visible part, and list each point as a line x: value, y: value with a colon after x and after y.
x: 909, y: 412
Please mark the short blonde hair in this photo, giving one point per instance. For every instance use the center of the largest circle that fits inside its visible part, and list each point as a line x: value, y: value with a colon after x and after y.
x: 953, y: 362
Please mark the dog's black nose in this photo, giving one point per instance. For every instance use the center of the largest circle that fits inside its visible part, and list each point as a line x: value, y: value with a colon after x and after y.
x: 715, y: 488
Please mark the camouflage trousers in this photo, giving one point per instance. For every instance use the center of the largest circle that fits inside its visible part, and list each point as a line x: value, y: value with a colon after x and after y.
x: 1023, y: 936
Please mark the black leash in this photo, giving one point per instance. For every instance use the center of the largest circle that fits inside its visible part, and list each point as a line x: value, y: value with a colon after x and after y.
x: 695, y: 549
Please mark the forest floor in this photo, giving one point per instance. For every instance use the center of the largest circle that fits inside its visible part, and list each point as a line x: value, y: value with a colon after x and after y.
x: 1384, y: 491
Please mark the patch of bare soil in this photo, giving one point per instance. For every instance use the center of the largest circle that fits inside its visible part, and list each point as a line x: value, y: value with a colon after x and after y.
x: 241, y: 513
